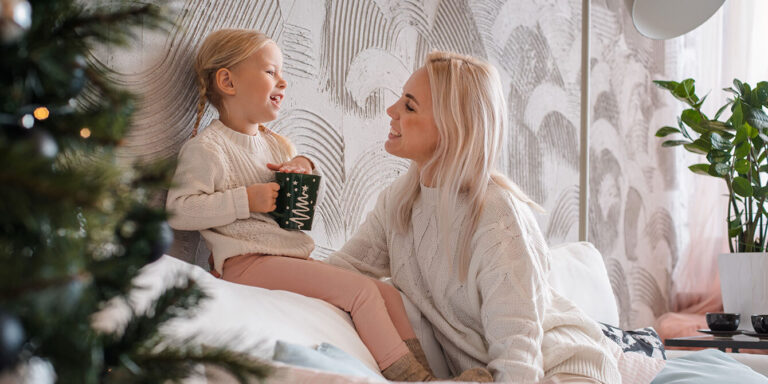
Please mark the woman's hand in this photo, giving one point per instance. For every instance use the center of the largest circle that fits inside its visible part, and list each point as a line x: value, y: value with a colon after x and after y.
x: 261, y: 197
x: 298, y: 164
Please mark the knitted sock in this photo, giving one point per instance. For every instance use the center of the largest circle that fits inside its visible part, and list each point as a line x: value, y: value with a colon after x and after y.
x: 407, y: 368
x: 415, y: 347
x: 475, y: 375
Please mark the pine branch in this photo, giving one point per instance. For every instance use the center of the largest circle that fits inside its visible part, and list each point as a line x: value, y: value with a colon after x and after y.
x: 176, y: 362
x: 173, y: 302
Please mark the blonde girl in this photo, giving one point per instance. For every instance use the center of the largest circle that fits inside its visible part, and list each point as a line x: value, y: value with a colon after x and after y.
x: 460, y: 239
x: 224, y: 187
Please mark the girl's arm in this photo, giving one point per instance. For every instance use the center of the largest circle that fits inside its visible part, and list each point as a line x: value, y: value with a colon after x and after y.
x: 193, y: 200
x: 366, y: 252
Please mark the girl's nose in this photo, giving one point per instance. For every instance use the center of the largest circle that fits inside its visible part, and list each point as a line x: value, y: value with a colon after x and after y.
x: 282, y: 83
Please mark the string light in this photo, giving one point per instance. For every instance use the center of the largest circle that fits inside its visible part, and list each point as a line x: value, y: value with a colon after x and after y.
x: 85, y: 133
x: 27, y: 121
x: 41, y: 113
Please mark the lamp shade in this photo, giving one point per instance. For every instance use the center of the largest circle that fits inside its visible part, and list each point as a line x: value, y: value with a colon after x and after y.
x: 665, y: 19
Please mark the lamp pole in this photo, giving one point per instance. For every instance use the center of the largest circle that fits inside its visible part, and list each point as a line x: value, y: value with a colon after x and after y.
x: 584, y: 135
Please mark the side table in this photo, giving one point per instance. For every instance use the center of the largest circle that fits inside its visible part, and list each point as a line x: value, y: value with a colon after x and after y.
x: 735, y: 342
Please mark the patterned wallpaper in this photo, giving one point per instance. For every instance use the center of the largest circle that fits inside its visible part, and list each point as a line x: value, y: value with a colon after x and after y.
x: 346, y: 61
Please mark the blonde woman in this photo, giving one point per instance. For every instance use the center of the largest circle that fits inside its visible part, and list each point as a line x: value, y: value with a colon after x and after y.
x: 224, y: 187
x: 460, y: 240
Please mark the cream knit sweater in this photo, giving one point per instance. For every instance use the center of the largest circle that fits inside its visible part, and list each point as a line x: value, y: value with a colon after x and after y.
x: 208, y: 195
x: 505, y: 316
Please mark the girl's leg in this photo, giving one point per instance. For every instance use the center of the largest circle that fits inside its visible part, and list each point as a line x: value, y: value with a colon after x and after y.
x: 396, y: 309
x: 350, y: 291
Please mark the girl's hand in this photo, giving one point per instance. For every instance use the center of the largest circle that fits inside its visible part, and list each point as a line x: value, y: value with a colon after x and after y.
x: 261, y: 197
x: 298, y: 164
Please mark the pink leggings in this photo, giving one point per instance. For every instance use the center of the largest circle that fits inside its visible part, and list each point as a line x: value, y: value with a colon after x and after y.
x: 376, y: 308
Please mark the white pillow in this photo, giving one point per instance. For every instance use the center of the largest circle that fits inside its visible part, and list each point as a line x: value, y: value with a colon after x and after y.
x: 244, y: 318
x: 579, y: 274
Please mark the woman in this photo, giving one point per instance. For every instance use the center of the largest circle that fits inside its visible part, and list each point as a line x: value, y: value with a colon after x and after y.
x: 460, y: 240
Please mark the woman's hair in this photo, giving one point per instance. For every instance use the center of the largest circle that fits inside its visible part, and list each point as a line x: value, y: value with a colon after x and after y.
x: 471, y: 117
x: 226, y: 48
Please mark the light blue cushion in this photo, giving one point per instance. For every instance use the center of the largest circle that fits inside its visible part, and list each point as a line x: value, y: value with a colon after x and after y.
x: 705, y: 367
x: 325, y: 358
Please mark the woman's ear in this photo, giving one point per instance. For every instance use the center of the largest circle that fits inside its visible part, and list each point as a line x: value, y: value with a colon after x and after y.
x: 224, y: 82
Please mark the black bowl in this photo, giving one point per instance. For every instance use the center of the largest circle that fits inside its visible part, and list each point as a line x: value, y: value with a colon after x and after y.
x: 760, y: 323
x: 718, y: 321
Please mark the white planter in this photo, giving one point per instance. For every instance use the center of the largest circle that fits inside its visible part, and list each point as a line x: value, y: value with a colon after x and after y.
x: 744, y: 284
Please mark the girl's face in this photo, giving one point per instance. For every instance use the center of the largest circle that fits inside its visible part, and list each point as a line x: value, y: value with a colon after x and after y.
x: 412, y: 130
x: 259, y: 86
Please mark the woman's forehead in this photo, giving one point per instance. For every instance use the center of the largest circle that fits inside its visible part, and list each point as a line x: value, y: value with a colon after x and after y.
x: 418, y: 83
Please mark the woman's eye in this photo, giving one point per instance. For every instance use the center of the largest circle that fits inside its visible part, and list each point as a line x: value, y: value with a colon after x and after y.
x: 408, y: 107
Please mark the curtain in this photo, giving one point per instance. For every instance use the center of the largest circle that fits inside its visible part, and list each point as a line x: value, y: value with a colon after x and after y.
x: 729, y: 45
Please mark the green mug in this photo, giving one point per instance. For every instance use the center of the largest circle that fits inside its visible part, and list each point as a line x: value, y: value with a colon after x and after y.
x: 296, y: 200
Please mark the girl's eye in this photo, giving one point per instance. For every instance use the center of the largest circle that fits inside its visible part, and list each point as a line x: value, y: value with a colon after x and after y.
x: 408, y: 107
x: 271, y: 73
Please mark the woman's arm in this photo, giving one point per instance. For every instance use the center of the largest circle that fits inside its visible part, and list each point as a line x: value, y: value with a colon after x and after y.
x: 367, y: 251
x: 511, y: 281
x: 193, y: 201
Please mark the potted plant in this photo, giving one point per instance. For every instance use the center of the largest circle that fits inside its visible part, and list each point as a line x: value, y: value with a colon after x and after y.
x: 736, y: 150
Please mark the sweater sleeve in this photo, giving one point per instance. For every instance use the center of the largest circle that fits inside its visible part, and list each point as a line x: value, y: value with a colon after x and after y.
x: 512, y: 288
x: 195, y: 200
x: 367, y: 251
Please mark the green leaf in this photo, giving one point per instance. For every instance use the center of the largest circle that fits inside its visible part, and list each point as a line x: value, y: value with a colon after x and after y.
x: 757, y: 118
x: 742, y: 150
x: 722, y: 109
x: 761, y: 93
x: 718, y: 156
x: 741, y: 166
x: 701, y: 169
x: 734, y: 227
x: 741, y: 136
x: 668, y: 85
x: 761, y: 192
x: 686, y: 91
x: 700, y: 146
x: 718, y: 142
x: 737, y: 117
x: 742, y: 187
x: 719, y: 169
x: 674, y: 143
x: 694, y: 119
x: 750, y: 130
x: 739, y: 85
x: 664, y: 131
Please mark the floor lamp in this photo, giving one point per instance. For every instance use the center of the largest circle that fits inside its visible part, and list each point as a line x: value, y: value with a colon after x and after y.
x: 655, y: 19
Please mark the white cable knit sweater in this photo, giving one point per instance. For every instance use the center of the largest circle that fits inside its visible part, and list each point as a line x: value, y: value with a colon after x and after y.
x: 208, y: 195
x: 505, y: 316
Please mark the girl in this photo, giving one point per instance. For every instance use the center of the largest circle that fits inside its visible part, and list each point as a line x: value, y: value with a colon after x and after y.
x: 224, y: 187
x: 460, y: 240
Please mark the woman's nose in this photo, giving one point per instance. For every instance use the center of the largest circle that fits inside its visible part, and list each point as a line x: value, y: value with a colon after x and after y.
x: 391, y: 110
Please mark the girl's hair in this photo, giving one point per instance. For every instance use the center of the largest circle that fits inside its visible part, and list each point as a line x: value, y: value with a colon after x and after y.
x: 471, y: 117
x: 226, y: 48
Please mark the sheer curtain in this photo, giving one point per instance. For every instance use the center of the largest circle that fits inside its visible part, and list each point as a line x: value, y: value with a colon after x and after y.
x: 729, y: 45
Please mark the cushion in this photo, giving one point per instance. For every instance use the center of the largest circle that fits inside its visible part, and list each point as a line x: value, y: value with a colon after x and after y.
x: 578, y: 273
x: 243, y: 318
x: 707, y: 366
x: 643, y: 340
x: 325, y: 358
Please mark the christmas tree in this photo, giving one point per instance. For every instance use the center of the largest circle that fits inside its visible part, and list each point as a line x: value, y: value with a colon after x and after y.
x: 75, y: 224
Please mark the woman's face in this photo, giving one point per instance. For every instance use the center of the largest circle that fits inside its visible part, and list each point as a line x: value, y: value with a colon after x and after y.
x: 412, y: 130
